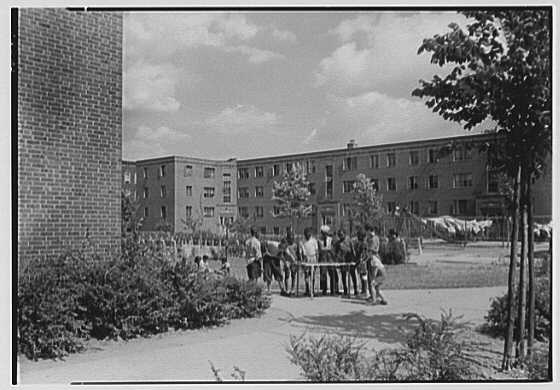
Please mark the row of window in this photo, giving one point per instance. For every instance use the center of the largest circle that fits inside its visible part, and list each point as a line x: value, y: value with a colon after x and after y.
x: 208, y: 192
x: 208, y: 173
x: 207, y: 212
x: 351, y: 163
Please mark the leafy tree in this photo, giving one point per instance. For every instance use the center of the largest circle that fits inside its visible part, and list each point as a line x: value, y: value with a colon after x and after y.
x: 130, y: 222
x: 241, y: 225
x: 367, y: 204
x: 502, y: 72
x: 291, y: 195
x: 192, y: 223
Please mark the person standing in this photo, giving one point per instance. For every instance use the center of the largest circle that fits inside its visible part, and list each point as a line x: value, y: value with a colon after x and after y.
x: 289, y: 250
x: 361, y: 259
x: 309, y: 250
x: 253, y: 255
x: 345, y: 253
x: 326, y: 255
x: 375, y: 267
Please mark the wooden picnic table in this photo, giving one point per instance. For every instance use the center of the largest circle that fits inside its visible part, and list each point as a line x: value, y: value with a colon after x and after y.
x: 312, y: 266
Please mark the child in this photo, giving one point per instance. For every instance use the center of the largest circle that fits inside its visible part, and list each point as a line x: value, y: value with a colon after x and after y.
x: 310, y: 253
x: 225, y: 268
x: 378, y: 277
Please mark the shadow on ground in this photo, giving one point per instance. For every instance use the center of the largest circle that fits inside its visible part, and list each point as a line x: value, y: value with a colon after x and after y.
x: 385, y: 328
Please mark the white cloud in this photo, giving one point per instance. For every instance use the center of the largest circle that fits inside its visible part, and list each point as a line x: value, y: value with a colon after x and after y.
x: 379, y: 118
x: 241, y: 120
x: 150, y: 87
x: 283, y: 35
x: 161, y: 35
x: 148, y: 142
x: 380, y: 52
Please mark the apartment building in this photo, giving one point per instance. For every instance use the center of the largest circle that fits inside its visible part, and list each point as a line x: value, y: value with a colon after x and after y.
x: 447, y: 176
x: 173, y: 190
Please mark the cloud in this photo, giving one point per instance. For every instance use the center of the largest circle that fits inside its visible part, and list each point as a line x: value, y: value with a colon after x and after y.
x: 151, y: 87
x: 148, y: 142
x: 254, y: 55
x: 310, y: 137
x: 242, y: 120
x: 159, y: 36
x: 379, y: 52
x: 283, y: 35
x: 379, y: 118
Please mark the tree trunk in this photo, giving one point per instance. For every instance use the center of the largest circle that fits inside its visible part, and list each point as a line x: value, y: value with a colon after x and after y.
x: 508, y: 343
x: 522, y: 296
x: 531, y: 269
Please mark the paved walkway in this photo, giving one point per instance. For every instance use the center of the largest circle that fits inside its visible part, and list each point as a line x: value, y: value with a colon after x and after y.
x: 257, y: 346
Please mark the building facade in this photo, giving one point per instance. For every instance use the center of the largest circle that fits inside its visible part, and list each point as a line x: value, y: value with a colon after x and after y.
x: 448, y: 176
x: 175, y: 192
x: 69, y: 85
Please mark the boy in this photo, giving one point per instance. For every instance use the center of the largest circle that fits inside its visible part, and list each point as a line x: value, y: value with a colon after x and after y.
x: 254, y: 256
x: 375, y: 268
x: 310, y: 254
x: 225, y: 268
x: 326, y: 255
x: 344, y: 250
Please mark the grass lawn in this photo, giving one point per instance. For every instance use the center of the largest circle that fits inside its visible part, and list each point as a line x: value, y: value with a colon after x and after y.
x: 447, y: 270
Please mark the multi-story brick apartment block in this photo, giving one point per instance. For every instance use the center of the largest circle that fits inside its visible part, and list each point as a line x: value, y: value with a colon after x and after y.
x: 172, y: 190
x: 129, y: 179
x: 417, y: 175
x: 69, y: 84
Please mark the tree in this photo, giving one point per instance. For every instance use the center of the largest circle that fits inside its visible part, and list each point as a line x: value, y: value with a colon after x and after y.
x: 241, y: 225
x: 502, y: 72
x: 130, y: 222
x: 192, y: 223
x: 366, y: 204
x: 291, y: 195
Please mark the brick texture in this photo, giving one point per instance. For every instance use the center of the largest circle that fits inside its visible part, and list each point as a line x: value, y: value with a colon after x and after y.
x: 69, y: 131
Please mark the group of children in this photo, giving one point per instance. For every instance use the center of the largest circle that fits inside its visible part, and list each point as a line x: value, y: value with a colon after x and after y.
x: 279, y: 261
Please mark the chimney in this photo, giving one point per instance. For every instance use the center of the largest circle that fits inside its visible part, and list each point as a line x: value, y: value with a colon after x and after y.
x: 351, y: 144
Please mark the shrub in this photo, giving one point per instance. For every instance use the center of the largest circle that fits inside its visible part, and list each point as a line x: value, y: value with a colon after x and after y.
x: 496, y: 319
x: 434, y: 352
x: 64, y: 301
x: 538, y: 365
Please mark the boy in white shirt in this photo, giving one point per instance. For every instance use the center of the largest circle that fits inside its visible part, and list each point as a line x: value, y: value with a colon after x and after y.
x: 254, y: 256
x: 310, y: 253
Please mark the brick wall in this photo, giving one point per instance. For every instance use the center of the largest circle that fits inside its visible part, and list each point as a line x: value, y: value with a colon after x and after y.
x: 69, y: 131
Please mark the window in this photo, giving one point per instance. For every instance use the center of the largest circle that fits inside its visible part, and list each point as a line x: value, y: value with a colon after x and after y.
x: 432, y: 156
x: 462, y: 180
x: 188, y: 190
x: 146, y: 212
x: 259, y: 211
x: 275, y: 169
x: 243, y: 173
x: 413, y: 158
x: 328, y: 181
x: 162, y: 171
x: 327, y: 219
x: 375, y: 184
x: 259, y: 191
x: 224, y: 221
x: 462, y: 153
x: 226, y: 175
x: 289, y: 166
x: 391, y: 207
x: 163, y: 212
x: 493, y: 182
x: 433, y: 182
x: 347, y: 186
x: 208, y: 212
x: 391, y: 184
x: 346, y: 210
x: 275, y: 210
x: 460, y: 206
x: 127, y: 177
x: 243, y: 192
x: 209, y: 173
x: 391, y: 160
x: 350, y: 163
x: 412, y: 182
x: 374, y: 161
x: 263, y: 229
x: 413, y: 206
x: 188, y: 211
x: 208, y: 192
x: 146, y: 192
x: 227, y: 191
x: 432, y: 207
x: 310, y: 166
x: 312, y: 189
x: 276, y: 230
x: 134, y: 177
x: 188, y: 170
x: 145, y: 172
x: 259, y: 171
x: 244, y: 212
x: 163, y: 192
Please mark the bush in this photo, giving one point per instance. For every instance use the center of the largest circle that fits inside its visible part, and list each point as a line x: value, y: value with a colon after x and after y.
x: 434, y: 352
x: 538, y: 367
x: 496, y: 319
x: 64, y: 301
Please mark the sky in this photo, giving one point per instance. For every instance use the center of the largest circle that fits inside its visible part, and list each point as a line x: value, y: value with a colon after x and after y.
x: 250, y: 84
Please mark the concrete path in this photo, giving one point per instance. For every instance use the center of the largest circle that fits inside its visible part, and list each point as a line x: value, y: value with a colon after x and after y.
x: 257, y: 346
